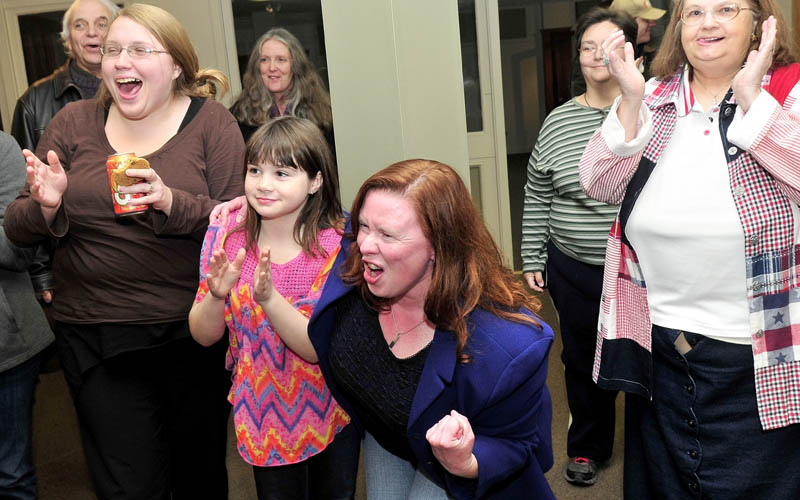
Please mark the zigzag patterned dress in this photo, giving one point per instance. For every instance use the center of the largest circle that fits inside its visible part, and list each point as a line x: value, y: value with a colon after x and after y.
x: 283, y: 411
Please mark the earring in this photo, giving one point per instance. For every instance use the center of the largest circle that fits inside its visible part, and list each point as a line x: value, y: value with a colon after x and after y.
x: 753, y: 37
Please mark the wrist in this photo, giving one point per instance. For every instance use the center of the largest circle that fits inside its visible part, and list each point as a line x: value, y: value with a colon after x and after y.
x: 468, y: 470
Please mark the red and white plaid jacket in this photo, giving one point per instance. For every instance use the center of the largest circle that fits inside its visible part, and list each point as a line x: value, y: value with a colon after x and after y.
x: 763, y: 153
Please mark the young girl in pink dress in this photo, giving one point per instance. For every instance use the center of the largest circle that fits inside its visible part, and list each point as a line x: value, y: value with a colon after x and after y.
x: 285, y: 239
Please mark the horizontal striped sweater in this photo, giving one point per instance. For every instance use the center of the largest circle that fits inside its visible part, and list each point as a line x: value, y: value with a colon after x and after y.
x: 555, y: 205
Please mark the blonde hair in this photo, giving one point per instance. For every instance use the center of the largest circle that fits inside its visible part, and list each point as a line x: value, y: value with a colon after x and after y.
x: 671, y: 56
x: 192, y: 81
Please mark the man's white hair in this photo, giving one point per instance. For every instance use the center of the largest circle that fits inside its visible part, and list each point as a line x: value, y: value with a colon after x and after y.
x: 67, y: 20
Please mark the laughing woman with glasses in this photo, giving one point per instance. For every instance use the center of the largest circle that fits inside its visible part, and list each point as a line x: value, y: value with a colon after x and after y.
x: 150, y: 402
x: 697, y: 318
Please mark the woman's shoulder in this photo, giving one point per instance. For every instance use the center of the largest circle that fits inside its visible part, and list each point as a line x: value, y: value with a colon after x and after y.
x: 215, y: 111
x: 82, y: 110
x: 509, y: 338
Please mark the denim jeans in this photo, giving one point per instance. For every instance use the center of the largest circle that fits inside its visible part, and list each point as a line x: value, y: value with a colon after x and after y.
x: 391, y: 478
x: 17, y: 386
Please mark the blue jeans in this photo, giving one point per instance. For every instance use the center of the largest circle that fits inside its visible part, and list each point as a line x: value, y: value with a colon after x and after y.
x: 391, y: 478
x: 17, y: 386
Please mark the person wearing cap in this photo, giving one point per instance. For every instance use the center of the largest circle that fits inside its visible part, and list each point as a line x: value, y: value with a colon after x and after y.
x: 646, y: 16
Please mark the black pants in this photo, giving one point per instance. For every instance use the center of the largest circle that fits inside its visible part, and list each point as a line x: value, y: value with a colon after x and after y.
x: 575, y: 288
x: 153, y: 422
x: 328, y: 475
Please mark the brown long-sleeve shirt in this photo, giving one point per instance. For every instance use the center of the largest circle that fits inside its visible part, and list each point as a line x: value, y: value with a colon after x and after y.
x: 139, y: 269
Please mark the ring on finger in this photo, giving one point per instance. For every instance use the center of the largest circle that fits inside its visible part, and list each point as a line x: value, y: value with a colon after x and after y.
x: 605, y: 59
x: 150, y: 188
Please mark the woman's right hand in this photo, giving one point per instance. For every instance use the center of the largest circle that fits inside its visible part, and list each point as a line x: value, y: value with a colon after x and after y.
x: 223, y: 275
x: 47, y: 182
x: 535, y: 280
x: 221, y: 211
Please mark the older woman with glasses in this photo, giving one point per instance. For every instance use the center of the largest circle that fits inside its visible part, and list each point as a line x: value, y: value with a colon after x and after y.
x: 150, y: 401
x: 698, y: 308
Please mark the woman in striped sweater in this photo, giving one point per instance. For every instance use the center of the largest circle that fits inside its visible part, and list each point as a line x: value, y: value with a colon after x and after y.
x: 564, y: 232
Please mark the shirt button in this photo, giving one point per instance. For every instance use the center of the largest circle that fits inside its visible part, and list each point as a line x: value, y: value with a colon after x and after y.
x: 694, y: 486
x: 754, y: 239
x: 728, y: 111
x: 689, y: 388
x: 691, y: 423
x: 760, y: 333
x: 733, y: 150
x: 738, y: 190
x: 693, y: 454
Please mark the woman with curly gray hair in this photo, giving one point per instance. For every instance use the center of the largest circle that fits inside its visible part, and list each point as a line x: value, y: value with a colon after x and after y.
x: 280, y: 80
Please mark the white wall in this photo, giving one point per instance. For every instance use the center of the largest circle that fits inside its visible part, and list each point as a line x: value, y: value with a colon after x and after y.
x: 396, y: 85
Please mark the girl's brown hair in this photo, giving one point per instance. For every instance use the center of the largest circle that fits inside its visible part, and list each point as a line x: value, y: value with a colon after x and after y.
x: 297, y: 143
x: 671, y: 57
x: 468, y: 270
x: 169, y: 32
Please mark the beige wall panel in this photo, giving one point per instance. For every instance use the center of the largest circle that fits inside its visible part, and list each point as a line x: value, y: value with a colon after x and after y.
x: 210, y: 26
x: 396, y: 85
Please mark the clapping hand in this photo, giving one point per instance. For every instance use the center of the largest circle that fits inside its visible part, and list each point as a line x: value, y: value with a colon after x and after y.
x: 452, y: 440
x: 623, y: 66
x: 262, y: 278
x: 223, y: 275
x: 747, y: 82
x: 47, y: 182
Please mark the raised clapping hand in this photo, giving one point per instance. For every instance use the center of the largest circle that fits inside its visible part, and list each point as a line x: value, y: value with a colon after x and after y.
x: 451, y: 440
x: 47, y: 182
x: 747, y: 82
x: 262, y: 278
x: 624, y: 69
x: 631, y: 81
x: 156, y: 192
x: 222, y: 275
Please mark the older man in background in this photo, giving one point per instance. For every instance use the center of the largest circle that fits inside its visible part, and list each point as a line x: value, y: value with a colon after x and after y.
x: 84, y: 28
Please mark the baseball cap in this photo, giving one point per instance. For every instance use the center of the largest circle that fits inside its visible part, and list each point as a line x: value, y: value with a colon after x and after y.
x: 638, y: 8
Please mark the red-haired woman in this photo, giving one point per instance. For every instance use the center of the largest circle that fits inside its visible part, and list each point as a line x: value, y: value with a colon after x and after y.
x: 430, y: 344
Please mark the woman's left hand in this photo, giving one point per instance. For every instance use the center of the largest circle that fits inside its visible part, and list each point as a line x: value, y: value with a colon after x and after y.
x: 156, y: 192
x: 747, y: 82
x: 451, y: 440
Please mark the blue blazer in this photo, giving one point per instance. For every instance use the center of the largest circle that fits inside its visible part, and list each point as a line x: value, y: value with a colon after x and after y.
x: 502, y: 392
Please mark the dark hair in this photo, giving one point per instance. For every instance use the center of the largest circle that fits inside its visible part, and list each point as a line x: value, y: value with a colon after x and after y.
x: 597, y: 15
x: 295, y: 142
x: 671, y: 56
x: 468, y: 270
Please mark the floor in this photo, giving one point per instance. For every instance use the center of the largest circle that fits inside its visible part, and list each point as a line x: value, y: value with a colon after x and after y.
x: 63, y: 475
